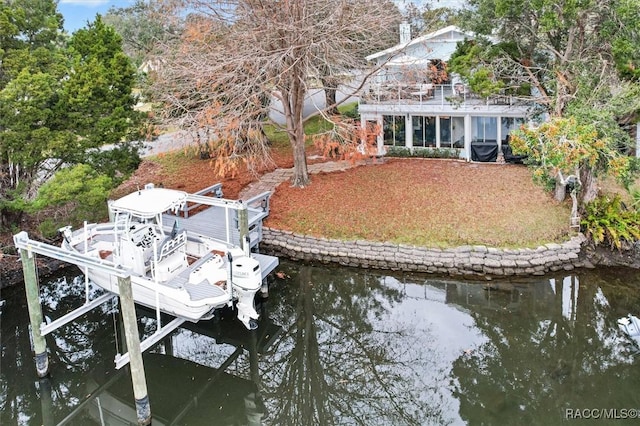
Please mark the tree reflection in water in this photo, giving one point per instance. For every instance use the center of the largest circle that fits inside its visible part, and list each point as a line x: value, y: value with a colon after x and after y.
x: 352, y: 347
x: 74, y: 350
x: 551, y: 348
x: 338, y: 361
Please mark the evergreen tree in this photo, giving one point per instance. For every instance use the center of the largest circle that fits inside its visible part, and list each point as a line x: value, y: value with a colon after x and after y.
x: 58, y: 100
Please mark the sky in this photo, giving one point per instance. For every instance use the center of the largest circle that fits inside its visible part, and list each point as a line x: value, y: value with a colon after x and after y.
x: 78, y: 12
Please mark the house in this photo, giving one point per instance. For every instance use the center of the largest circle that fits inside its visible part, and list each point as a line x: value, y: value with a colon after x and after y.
x: 417, y: 104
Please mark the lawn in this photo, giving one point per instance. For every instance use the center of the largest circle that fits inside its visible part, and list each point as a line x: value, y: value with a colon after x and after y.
x: 425, y: 202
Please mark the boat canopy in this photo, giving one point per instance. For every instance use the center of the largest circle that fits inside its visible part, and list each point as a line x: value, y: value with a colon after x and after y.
x: 149, y: 202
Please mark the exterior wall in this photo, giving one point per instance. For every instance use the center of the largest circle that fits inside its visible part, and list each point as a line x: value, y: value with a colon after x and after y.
x: 466, y: 260
x: 397, y: 90
x: 375, y: 111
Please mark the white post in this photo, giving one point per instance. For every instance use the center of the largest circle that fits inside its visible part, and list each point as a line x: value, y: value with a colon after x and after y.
x: 638, y: 140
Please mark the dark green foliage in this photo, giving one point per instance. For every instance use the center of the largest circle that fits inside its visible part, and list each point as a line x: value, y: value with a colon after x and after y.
x: 403, y: 152
x: 60, y: 100
x: 608, y: 220
x: 80, y: 188
x: 116, y: 163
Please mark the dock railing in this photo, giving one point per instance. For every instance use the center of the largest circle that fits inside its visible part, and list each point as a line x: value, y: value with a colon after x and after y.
x: 213, y: 190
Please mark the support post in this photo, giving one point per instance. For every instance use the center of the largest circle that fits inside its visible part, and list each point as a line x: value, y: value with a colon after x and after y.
x: 35, y: 311
x: 128, y: 310
x: 243, y: 227
x: 46, y: 402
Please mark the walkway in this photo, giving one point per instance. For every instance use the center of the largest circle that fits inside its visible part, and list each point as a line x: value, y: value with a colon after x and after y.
x: 269, y: 181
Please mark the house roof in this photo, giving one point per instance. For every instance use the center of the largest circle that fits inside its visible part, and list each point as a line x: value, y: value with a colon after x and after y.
x: 456, y: 35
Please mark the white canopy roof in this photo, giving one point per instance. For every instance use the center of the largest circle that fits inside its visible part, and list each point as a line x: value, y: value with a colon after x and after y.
x: 148, y: 202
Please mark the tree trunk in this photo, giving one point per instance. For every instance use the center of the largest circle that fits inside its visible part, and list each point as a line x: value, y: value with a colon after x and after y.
x: 300, y: 176
x: 589, y: 190
x: 330, y: 86
x: 560, y: 191
x: 330, y: 99
x: 293, y: 103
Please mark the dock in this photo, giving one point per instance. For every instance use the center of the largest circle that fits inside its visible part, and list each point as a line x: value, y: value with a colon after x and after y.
x: 208, y: 214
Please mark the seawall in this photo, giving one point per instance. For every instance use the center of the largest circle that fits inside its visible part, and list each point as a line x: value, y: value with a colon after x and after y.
x: 477, y: 260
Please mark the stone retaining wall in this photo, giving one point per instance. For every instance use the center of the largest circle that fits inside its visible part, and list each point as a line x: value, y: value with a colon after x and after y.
x: 465, y: 260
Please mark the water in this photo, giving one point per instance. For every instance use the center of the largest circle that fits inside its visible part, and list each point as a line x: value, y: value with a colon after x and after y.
x: 340, y: 346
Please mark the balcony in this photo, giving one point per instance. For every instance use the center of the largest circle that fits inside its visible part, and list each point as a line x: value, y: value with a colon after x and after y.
x: 432, y: 95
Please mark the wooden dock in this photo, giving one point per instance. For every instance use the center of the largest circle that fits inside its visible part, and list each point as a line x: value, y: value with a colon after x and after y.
x: 210, y: 215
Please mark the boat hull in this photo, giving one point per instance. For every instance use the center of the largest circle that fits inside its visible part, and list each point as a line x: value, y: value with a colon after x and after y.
x: 171, y: 301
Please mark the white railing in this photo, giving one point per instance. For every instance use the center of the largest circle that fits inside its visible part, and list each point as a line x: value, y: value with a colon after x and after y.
x: 407, y: 93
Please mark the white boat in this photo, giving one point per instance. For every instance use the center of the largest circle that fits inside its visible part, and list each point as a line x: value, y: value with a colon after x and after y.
x: 178, y: 272
x: 630, y: 325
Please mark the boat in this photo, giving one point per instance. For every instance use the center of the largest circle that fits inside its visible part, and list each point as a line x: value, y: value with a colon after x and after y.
x: 177, y: 271
x: 630, y: 326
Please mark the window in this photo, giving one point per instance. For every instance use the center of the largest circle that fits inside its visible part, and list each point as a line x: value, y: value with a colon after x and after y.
x: 457, y: 132
x: 484, y: 129
x: 509, y: 124
x: 394, y: 130
x: 424, y: 131
x: 445, y: 132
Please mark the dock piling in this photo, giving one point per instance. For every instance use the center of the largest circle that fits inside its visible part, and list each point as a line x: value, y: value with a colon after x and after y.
x: 243, y: 228
x: 32, y: 290
x: 128, y: 311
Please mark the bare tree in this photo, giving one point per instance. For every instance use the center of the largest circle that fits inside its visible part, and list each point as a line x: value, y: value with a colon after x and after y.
x: 235, y: 57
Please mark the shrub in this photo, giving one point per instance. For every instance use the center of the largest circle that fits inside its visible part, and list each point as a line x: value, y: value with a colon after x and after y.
x: 608, y: 220
x: 80, y: 188
x: 404, y: 152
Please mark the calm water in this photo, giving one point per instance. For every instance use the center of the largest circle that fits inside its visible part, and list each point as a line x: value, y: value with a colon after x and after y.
x: 343, y: 346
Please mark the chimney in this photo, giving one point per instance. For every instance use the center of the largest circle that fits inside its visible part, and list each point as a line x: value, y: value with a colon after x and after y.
x: 405, y: 33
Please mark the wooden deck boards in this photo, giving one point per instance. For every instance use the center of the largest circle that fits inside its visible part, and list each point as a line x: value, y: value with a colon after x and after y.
x: 212, y: 222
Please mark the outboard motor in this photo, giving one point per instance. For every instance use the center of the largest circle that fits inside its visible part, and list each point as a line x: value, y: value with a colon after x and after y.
x: 246, y: 277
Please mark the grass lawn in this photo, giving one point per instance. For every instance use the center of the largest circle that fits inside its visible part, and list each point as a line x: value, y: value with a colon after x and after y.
x: 425, y: 202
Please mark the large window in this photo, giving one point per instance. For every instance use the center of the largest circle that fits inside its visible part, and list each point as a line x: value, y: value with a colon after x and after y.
x: 457, y: 132
x: 424, y: 131
x: 484, y: 129
x: 394, y: 130
x: 451, y: 132
x: 507, y: 125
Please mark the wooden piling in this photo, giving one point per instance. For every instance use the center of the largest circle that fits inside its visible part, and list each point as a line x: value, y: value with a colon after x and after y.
x: 46, y: 402
x: 32, y: 290
x: 243, y: 228
x: 128, y: 311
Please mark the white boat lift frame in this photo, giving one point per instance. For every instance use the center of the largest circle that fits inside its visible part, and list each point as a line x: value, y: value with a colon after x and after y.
x: 22, y: 241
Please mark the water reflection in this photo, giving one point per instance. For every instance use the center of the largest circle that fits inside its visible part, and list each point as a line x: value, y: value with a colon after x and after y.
x: 551, y: 347
x: 343, y: 346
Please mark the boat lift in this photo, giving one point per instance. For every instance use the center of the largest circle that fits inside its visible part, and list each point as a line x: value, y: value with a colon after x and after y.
x: 242, y: 225
x: 247, y: 236
x: 23, y: 242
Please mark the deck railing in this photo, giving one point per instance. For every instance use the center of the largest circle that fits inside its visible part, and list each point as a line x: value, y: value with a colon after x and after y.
x: 213, y: 190
x: 404, y: 93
